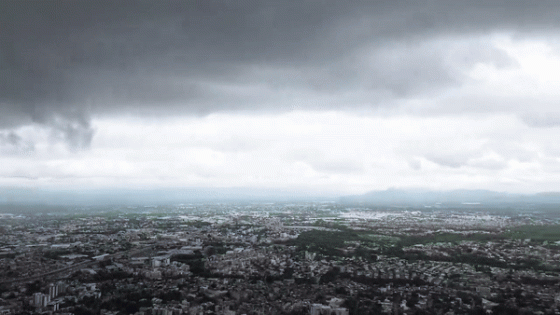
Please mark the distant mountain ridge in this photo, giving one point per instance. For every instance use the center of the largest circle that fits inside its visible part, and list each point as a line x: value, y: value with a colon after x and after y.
x: 463, y: 196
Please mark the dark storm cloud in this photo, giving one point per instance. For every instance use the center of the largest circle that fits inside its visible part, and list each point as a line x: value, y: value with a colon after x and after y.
x: 12, y: 143
x: 61, y: 61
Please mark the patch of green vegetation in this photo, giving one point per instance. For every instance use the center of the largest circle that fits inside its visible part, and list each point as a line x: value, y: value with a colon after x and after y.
x: 452, y: 238
x: 539, y: 233
x: 378, y: 238
x: 217, y: 248
x: 198, y: 224
x: 332, y: 243
x: 55, y: 254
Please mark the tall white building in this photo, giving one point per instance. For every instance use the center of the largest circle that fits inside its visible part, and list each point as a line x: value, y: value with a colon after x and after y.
x: 53, y: 291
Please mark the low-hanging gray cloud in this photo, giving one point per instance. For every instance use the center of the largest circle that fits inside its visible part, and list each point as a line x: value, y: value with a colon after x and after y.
x: 542, y: 120
x: 12, y: 143
x: 61, y: 62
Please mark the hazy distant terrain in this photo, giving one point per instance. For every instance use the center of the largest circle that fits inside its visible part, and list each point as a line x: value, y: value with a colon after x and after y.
x: 152, y: 196
x: 454, y: 197
x: 390, y: 197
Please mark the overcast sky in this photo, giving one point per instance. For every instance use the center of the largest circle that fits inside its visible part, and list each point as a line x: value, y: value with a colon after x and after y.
x: 325, y: 96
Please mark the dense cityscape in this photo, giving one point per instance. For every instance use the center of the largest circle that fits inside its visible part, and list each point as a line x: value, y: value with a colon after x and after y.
x: 279, y: 157
x: 301, y: 258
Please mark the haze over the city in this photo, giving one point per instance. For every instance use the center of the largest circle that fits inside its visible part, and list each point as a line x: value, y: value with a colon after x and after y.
x: 314, y: 97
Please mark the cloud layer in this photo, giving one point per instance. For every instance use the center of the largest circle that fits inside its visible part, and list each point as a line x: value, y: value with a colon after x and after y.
x: 104, y: 57
x: 331, y: 151
x: 462, y: 93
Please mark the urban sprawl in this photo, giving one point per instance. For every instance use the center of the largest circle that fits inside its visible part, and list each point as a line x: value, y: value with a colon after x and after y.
x: 302, y: 258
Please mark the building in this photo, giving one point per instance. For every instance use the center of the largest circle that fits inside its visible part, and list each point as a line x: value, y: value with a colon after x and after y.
x: 320, y: 309
x: 53, y: 291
